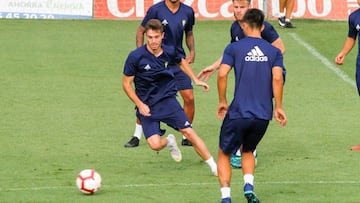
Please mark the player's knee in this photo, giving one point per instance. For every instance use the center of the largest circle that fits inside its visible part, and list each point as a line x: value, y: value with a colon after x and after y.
x: 189, y: 133
x: 155, y: 146
x: 155, y: 143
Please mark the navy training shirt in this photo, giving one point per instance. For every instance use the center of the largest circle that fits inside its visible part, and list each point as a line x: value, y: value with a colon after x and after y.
x: 153, y: 80
x: 175, y: 24
x: 252, y: 60
x: 268, y: 33
x: 354, y: 26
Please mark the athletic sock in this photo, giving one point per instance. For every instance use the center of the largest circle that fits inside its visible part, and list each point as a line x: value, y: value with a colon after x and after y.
x: 225, y: 192
x: 138, y: 131
x: 211, y: 163
x: 170, y: 142
x: 249, y: 178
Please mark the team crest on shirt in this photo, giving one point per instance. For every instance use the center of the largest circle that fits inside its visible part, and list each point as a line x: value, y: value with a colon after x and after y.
x: 256, y: 55
x: 183, y: 22
x: 166, y: 64
x: 358, y: 27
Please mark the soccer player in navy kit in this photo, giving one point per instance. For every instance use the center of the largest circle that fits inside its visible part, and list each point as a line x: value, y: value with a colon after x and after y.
x: 354, y: 28
x: 268, y: 33
x: 149, y: 68
x: 177, y: 19
x: 258, y: 68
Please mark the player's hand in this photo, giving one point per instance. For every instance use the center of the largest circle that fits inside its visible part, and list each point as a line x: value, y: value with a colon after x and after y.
x: 204, y: 84
x: 144, y: 109
x: 222, y: 110
x: 280, y: 117
x: 190, y: 58
x: 339, y: 59
x: 205, y: 73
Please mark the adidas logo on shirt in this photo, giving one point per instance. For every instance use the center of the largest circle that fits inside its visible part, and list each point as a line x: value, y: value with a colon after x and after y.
x: 164, y: 22
x: 147, y: 67
x: 256, y: 55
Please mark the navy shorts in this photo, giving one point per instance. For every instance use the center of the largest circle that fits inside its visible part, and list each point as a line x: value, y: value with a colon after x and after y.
x: 167, y: 111
x: 182, y: 81
x: 241, y: 131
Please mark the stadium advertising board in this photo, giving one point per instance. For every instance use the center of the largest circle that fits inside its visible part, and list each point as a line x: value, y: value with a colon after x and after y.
x: 222, y: 9
x: 47, y: 9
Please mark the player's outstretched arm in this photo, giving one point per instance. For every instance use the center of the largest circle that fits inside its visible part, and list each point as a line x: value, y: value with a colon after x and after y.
x: 205, y: 73
x: 348, y: 45
x: 184, y: 65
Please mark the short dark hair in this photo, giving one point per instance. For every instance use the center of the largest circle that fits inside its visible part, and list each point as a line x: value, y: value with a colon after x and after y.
x: 249, y: 1
x: 153, y: 24
x: 254, y: 17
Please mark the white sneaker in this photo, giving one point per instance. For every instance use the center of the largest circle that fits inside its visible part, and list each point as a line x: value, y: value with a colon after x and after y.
x: 173, y: 148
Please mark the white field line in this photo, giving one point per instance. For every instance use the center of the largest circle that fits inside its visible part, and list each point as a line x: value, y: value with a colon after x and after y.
x: 324, y: 60
x: 320, y: 182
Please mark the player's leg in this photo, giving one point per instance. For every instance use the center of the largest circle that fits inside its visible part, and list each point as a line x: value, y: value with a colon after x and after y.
x: 235, y: 159
x: 135, y: 139
x: 189, y: 108
x: 288, y: 12
x: 248, y: 163
x: 357, y: 74
x: 189, y: 103
x: 281, y: 19
x: 156, y: 142
x: 183, y: 83
x: 224, y: 175
x: 282, y: 4
x: 198, y: 144
x: 178, y: 120
x: 229, y: 141
x: 250, y: 141
x: 200, y: 148
x: 153, y: 135
x: 289, y: 8
x: 248, y: 167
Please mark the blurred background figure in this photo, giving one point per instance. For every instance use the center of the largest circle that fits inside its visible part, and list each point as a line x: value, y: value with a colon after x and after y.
x: 286, y: 9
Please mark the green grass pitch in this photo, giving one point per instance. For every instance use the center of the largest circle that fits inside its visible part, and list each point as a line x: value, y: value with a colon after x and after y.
x: 62, y: 109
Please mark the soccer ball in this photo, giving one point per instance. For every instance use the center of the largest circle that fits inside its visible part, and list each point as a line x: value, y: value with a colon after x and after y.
x: 88, y: 181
